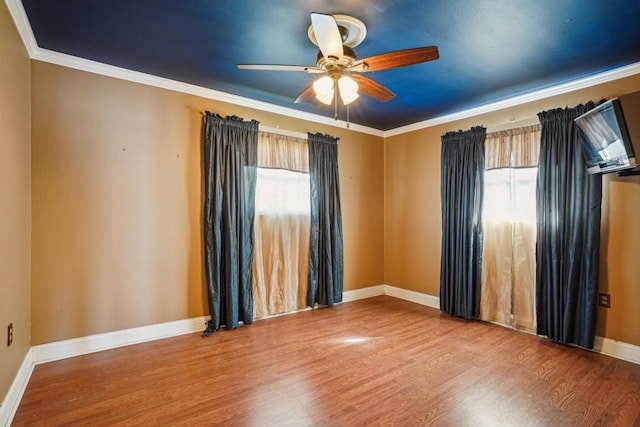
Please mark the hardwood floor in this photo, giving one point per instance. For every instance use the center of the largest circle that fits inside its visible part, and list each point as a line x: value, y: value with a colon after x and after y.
x: 379, y: 361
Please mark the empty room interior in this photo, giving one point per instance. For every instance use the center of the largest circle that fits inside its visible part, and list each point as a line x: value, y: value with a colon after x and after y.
x: 142, y: 282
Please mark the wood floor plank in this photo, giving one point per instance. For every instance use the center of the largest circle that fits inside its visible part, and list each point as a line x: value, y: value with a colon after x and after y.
x: 379, y: 361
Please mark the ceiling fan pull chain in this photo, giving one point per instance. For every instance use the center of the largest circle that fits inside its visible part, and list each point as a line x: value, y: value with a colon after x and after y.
x: 347, y: 116
x: 335, y: 107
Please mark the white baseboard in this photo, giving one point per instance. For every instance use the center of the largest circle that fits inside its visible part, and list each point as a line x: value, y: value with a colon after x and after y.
x: 412, y: 296
x: 374, y: 291
x: 78, y: 346
x: 606, y: 346
x: 14, y: 395
x: 356, y: 294
x: 58, y: 350
x: 44, y: 353
x: 617, y: 349
x: 90, y: 344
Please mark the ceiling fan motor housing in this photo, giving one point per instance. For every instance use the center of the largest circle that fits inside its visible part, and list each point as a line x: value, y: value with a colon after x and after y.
x: 339, y: 35
x: 348, y: 58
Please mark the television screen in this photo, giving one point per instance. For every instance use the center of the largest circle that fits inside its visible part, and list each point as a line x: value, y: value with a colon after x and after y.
x: 606, y: 143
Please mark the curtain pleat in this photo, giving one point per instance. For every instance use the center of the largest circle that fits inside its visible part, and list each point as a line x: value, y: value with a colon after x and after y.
x: 568, y: 239
x: 462, y: 165
x: 325, y: 245
x: 230, y: 158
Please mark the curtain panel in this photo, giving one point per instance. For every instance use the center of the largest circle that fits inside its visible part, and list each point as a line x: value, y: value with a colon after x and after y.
x: 282, y: 152
x: 326, y: 263
x: 282, y: 228
x: 568, y: 238
x: 509, y: 230
x: 512, y: 148
x: 230, y: 159
x: 462, y: 165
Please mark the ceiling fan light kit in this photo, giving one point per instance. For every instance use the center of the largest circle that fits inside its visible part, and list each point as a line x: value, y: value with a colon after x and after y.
x: 323, y: 88
x: 348, y: 89
x: 336, y: 36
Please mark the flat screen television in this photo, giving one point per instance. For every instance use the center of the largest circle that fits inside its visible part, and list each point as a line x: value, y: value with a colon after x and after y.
x: 605, y: 138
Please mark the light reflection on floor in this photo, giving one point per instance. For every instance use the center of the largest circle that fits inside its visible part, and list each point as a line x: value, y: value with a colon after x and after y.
x: 358, y: 340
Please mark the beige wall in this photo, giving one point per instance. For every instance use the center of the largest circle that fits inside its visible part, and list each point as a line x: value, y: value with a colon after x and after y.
x: 116, y: 209
x: 413, y: 215
x: 117, y: 202
x: 116, y: 187
x: 15, y: 199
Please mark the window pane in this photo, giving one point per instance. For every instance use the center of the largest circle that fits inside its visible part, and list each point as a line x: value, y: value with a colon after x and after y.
x: 524, y: 194
x: 281, y: 191
x: 510, y: 195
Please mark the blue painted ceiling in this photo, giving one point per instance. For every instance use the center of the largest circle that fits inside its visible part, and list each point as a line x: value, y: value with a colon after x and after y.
x: 490, y: 50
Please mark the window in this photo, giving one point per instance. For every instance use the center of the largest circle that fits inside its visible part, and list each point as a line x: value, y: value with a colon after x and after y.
x: 510, y: 195
x: 281, y: 191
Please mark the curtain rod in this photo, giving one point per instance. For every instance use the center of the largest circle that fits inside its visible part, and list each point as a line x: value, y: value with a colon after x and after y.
x: 284, y: 132
x: 496, y: 128
x: 514, y: 125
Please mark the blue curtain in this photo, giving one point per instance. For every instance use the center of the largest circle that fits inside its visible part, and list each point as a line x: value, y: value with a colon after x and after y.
x: 568, y: 242
x: 325, y: 245
x: 462, y: 190
x: 230, y: 161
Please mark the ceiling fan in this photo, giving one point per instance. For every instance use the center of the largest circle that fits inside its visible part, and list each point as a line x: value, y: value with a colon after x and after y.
x: 336, y: 36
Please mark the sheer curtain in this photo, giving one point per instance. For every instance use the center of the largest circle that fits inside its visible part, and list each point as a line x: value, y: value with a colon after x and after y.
x: 509, y: 223
x: 282, y: 219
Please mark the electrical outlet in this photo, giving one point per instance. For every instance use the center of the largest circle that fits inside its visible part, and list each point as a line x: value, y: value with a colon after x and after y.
x: 604, y: 300
x: 9, y: 334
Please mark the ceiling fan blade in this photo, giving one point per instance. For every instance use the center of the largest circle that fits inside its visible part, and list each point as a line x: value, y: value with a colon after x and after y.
x: 373, y: 89
x: 327, y: 35
x: 277, y: 67
x: 306, y: 95
x: 398, y: 58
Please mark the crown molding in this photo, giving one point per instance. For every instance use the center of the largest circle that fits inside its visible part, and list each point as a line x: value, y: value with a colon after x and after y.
x: 604, y: 77
x: 23, y: 26
x: 35, y: 52
x: 94, y: 67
